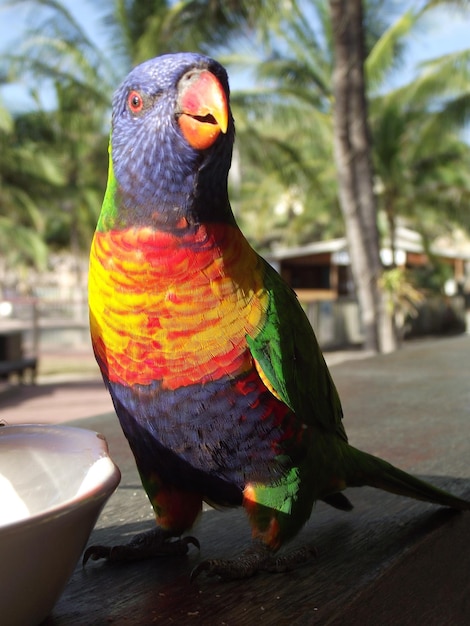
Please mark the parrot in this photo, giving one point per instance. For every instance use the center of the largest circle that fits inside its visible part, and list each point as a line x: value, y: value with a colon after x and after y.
x: 213, y: 367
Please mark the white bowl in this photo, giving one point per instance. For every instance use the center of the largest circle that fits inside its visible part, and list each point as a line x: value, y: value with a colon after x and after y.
x: 54, y: 481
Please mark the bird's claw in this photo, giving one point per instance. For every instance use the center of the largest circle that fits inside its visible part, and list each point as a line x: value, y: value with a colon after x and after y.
x: 95, y: 553
x: 252, y: 561
x: 225, y: 569
x: 290, y: 561
x: 143, y: 546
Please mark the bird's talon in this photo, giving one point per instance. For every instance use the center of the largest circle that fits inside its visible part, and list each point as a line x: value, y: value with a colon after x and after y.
x: 226, y: 570
x: 204, y: 566
x: 95, y: 553
x: 191, y: 540
x: 288, y: 562
x: 143, y: 546
x: 253, y: 560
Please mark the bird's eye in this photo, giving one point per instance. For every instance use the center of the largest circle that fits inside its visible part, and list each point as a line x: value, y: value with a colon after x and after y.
x: 135, y: 102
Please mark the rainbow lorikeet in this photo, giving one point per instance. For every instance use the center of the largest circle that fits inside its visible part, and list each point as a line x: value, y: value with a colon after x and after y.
x: 214, y: 370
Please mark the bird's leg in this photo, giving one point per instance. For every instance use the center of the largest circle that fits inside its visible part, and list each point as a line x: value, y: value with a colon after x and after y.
x: 176, y: 511
x: 145, y: 545
x: 271, y: 528
x: 258, y: 557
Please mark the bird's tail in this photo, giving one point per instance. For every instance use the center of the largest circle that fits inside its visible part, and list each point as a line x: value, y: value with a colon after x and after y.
x: 366, y: 469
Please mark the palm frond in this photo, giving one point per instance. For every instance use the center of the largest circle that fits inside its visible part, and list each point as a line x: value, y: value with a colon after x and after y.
x: 383, y: 57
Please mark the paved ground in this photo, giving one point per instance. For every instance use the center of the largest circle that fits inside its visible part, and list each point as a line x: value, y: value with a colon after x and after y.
x: 67, y: 395
x: 63, y: 395
x: 54, y: 402
x: 390, y: 561
x: 69, y: 387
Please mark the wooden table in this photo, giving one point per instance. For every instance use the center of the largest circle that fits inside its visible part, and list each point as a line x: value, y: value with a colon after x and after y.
x: 390, y: 561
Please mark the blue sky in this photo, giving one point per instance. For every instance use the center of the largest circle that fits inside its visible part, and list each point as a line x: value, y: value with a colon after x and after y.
x: 443, y: 31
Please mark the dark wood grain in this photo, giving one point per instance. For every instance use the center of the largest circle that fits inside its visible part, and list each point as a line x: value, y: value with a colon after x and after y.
x: 390, y: 561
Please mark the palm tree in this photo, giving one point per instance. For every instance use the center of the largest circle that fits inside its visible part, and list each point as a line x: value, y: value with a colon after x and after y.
x: 84, y: 76
x: 419, y: 164
x: 30, y: 179
x: 284, y: 126
x: 300, y: 70
x: 353, y: 157
x: 142, y: 29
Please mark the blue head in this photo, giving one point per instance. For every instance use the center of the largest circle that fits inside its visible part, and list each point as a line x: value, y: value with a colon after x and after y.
x: 171, y: 141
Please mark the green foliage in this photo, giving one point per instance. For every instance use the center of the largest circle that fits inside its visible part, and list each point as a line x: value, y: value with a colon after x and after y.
x: 20, y: 244
x: 283, y: 182
x: 430, y: 279
x: 385, y: 53
x: 6, y: 121
x: 398, y: 283
x: 421, y: 161
x: 30, y: 175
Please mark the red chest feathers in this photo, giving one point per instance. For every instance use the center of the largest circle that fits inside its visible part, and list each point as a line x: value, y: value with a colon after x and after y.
x: 174, y: 308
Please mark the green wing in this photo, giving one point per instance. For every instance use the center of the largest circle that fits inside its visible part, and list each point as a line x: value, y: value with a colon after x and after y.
x: 288, y: 353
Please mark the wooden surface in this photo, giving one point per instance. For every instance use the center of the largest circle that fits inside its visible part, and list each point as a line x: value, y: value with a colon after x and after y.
x: 390, y: 561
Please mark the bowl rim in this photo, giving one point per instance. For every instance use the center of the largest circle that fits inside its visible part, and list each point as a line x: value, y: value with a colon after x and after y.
x: 69, y: 506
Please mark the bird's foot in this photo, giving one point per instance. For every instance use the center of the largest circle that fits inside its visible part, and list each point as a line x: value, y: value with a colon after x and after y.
x: 149, y: 544
x: 254, y: 559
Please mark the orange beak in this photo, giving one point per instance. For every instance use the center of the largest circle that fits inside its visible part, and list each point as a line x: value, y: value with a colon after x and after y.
x: 202, y: 108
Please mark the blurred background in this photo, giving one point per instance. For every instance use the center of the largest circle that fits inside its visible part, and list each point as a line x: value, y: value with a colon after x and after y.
x: 60, y: 62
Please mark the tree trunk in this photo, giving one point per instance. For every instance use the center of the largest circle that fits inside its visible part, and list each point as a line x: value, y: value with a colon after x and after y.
x: 354, y: 169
